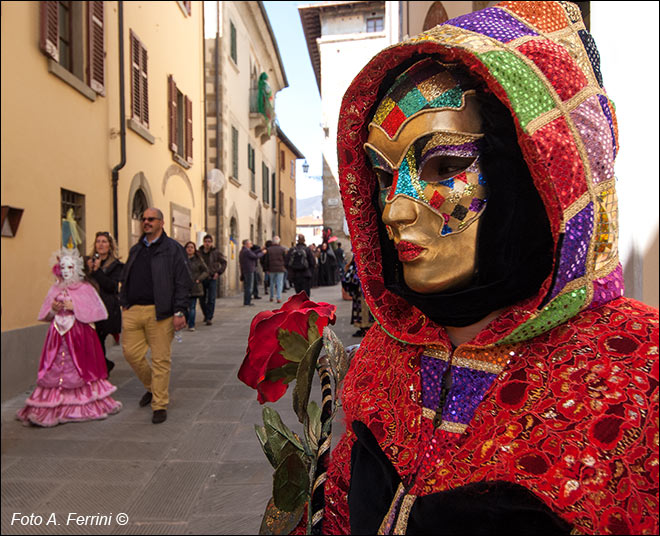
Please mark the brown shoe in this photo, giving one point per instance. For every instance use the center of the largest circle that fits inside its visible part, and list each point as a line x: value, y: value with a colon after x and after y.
x: 160, y: 415
x: 146, y: 399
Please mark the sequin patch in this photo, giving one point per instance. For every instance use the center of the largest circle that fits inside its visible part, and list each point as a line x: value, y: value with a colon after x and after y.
x: 604, y: 104
x: 594, y: 130
x: 527, y: 94
x: 592, y: 54
x: 563, y: 163
x: 572, y: 261
x: 468, y: 388
x: 608, y: 287
x: 605, y: 238
x: 557, y: 66
x: 494, y: 23
x: 546, y: 16
x: 556, y: 312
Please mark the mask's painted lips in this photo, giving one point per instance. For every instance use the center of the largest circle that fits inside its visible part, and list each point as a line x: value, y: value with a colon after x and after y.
x: 408, y: 251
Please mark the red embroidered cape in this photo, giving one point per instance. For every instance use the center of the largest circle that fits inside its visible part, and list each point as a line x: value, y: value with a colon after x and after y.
x: 572, y: 411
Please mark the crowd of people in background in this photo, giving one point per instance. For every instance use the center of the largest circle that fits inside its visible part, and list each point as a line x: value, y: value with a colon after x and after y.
x: 147, y: 301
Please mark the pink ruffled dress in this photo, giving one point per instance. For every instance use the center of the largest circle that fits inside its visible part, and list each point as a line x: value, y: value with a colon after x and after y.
x: 72, y: 383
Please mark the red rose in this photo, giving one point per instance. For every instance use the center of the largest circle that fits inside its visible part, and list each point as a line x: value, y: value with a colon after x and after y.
x: 264, y: 350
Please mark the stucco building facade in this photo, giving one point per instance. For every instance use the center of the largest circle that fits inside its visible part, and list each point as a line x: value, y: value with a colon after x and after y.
x: 244, y: 72
x: 62, y: 138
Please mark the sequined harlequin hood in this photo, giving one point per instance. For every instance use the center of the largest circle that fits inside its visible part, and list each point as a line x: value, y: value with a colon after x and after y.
x: 558, y: 394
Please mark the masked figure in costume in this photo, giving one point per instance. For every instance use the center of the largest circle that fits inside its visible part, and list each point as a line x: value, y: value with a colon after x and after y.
x: 72, y: 381
x: 507, y: 386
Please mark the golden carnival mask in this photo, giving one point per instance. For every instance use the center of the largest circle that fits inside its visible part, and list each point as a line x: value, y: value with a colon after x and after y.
x: 424, y: 147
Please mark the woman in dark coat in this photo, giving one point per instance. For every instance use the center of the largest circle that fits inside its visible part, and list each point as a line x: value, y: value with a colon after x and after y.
x: 327, y: 266
x: 199, y: 272
x: 105, y: 270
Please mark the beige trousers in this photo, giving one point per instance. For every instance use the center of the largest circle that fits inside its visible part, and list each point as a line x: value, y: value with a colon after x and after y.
x: 141, y: 331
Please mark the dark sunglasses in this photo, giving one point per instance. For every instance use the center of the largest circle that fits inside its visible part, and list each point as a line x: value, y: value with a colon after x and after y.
x: 151, y: 218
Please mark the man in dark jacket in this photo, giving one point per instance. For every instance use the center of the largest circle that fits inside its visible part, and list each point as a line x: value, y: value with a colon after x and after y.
x: 300, y: 271
x: 276, y: 268
x: 217, y: 264
x: 247, y: 260
x: 154, y: 299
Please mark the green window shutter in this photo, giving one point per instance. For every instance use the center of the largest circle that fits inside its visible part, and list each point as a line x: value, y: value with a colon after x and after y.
x: 234, y: 152
x: 233, y: 49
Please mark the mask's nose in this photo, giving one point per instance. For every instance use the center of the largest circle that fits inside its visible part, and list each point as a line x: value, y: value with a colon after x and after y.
x: 399, y: 211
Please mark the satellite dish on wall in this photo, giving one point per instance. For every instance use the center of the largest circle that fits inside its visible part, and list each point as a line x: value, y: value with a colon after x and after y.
x: 216, y: 181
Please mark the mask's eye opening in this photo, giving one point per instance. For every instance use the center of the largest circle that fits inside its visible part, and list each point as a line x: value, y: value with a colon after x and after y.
x: 441, y: 167
x: 384, y: 178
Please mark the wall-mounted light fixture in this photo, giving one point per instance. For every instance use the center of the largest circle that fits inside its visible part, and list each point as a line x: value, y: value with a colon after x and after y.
x: 11, y: 218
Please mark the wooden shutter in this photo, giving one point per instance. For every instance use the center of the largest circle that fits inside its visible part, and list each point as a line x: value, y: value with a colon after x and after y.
x: 282, y: 162
x: 49, y: 29
x: 95, y: 51
x: 188, y: 7
x: 145, y: 86
x: 172, y: 98
x: 273, y: 186
x: 189, y: 130
x: 136, y: 86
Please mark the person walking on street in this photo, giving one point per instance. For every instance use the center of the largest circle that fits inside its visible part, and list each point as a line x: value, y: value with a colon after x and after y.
x: 106, y: 269
x: 247, y: 261
x: 277, y: 268
x: 154, y: 299
x: 264, y: 266
x: 258, y: 272
x: 199, y: 272
x: 300, y: 261
x: 341, y: 261
x: 217, y: 264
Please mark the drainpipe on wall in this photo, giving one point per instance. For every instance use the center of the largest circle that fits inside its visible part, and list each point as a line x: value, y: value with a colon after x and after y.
x: 122, y: 123
x: 206, y: 167
x: 218, y: 131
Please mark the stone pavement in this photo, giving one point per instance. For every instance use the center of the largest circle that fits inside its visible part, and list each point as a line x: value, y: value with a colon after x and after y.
x: 200, y: 472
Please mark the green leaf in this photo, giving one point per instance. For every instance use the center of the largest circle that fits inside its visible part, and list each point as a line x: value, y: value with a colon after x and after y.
x: 314, y: 424
x: 286, y: 373
x: 276, y: 521
x: 336, y: 354
x: 293, y: 344
x: 290, y: 483
x: 265, y: 445
x: 312, y: 329
x: 274, y: 425
x: 304, y: 379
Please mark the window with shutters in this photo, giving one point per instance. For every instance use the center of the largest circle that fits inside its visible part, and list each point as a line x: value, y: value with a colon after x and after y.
x: 233, y: 48
x: 72, y: 35
x: 252, y: 168
x: 282, y: 162
x: 292, y: 214
x: 293, y: 169
x: 139, y: 82
x: 282, y: 203
x: 265, y: 186
x: 234, y: 153
x: 375, y: 24
x: 180, y: 124
x: 273, y: 183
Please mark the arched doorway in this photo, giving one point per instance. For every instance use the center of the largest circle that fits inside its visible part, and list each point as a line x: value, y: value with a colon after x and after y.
x: 139, y: 205
x: 434, y: 16
x: 234, y: 248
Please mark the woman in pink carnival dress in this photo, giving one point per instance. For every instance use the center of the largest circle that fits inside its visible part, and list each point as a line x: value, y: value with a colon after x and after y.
x: 72, y: 383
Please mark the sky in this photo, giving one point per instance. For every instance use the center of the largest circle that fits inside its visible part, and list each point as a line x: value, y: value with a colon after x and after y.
x: 297, y: 107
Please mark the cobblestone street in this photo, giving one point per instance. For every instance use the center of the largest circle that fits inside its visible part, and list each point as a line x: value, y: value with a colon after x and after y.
x: 200, y: 472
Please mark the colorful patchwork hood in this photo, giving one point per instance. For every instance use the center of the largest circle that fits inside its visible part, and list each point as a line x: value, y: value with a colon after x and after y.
x: 538, y: 59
